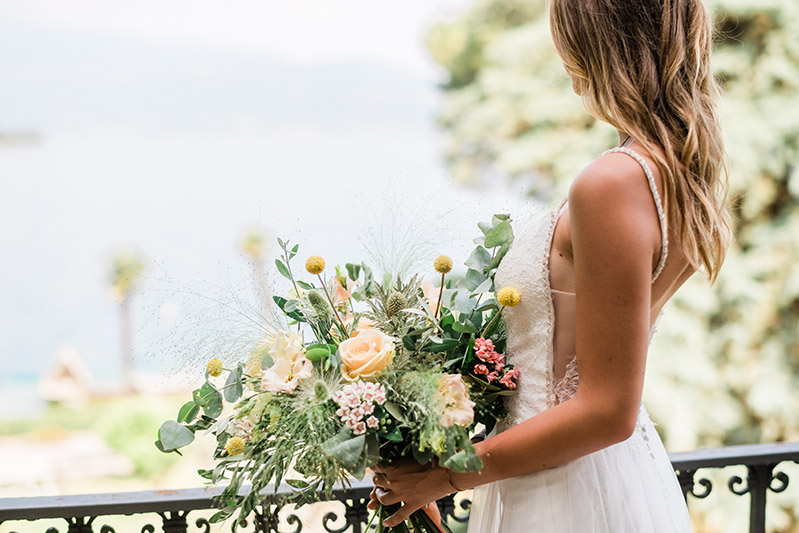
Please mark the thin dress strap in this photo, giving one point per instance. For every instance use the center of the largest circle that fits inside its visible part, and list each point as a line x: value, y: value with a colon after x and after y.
x: 661, y: 215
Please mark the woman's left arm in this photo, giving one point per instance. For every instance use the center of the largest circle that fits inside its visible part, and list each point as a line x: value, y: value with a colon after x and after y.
x: 615, y: 236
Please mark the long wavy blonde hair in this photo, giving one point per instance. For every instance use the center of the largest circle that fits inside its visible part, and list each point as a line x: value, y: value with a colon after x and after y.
x: 643, y: 66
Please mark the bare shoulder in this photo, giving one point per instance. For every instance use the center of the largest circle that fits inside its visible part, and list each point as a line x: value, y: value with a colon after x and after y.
x: 614, y: 184
x: 613, y: 176
x: 610, y: 202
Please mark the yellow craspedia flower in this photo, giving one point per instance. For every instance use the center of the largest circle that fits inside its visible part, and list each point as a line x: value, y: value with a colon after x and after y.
x: 508, y: 296
x: 443, y: 264
x: 235, y: 445
x: 214, y: 367
x: 315, y: 264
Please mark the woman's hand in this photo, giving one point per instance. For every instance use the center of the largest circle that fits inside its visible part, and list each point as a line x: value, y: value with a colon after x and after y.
x: 415, y: 486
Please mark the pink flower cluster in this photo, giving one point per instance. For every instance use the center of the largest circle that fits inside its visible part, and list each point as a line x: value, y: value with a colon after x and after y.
x: 357, y: 402
x: 493, y: 364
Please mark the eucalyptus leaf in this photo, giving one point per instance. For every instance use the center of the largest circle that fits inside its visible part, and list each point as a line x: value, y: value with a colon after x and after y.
x: 501, y: 234
x: 463, y: 461
x: 473, y: 279
x: 234, y: 387
x: 479, y: 259
x: 346, y: 449
x: 212, y: 398
x: 188, y: 412
x: 395, y: 411
x: 485, y: 286
x: 174, y: 435
x: 490, y: 305
x: 463, y: 303
x: 466, y: 327
x: 503, y: 250
x: 370, y: 456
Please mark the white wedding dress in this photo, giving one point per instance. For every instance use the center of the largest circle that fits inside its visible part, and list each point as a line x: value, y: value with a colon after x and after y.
x: 629, y: 487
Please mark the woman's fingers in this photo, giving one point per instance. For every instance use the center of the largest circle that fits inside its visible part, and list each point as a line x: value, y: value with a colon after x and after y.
x: 381, y: 480
x: 373, y: 502
x: 400, y: 516
x: 433, y: 512
x: 387, y: 497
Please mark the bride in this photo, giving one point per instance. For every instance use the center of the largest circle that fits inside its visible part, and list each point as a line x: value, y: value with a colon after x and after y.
x: 578, y: 453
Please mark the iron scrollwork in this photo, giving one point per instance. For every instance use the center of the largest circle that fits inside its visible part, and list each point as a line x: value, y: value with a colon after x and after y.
x: 466, y: 505
x: 688, y: 484
x: 734, y: 482
x: 333, y: 517
x: 782, y: 477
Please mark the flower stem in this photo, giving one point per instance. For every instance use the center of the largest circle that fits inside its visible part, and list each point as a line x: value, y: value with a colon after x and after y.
x: 440, y: 293
x: 288, y: 267
x: 329, y: 299
x: 496, y: 317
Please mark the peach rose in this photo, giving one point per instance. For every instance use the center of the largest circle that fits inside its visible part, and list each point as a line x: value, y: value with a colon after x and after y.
x: 363, y: 323
x: 365, y: 355
x: 452, y: 401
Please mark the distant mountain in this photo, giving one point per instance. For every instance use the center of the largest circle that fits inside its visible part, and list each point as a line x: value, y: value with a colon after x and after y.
x: 57, y: 81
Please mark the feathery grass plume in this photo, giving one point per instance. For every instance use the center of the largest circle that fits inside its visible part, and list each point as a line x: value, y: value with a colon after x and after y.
x: 398, y: 231
x: 211, y: 320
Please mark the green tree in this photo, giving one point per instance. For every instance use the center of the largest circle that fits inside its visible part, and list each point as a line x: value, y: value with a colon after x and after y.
x: 126, y: 269
x: 731, y: 349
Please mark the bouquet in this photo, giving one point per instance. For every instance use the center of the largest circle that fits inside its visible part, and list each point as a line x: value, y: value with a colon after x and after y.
x: 366, y: 371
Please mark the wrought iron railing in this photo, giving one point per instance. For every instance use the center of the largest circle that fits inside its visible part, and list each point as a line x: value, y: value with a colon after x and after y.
x: 761, y: 461
x: 95, y: 512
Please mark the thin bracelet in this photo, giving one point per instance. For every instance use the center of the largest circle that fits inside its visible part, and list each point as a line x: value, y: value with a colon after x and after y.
x: 450, y: 480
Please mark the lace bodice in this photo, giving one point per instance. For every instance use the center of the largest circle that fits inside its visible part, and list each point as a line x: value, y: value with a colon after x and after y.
x: 541, y: 347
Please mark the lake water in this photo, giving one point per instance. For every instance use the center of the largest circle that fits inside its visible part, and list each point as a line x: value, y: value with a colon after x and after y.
x: 185, y: 201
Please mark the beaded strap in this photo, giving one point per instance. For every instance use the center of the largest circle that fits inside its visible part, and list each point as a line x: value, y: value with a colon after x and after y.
x: 656, y: 195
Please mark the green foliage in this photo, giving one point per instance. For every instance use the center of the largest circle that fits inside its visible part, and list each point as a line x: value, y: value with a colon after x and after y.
x: 173, y: 435
x: 728, y: 354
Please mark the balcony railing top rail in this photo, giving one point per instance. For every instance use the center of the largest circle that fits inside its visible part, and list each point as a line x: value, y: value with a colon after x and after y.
x: 79, y: 511
x: 147, y: 501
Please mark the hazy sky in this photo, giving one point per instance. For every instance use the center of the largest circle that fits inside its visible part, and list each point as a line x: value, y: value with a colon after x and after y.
x: 297, y: 30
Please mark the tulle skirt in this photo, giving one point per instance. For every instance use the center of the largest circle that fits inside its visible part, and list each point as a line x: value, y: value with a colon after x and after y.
x: 629, y: 487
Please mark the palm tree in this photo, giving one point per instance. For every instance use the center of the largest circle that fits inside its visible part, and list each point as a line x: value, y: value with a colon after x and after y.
x: 126, y: 268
